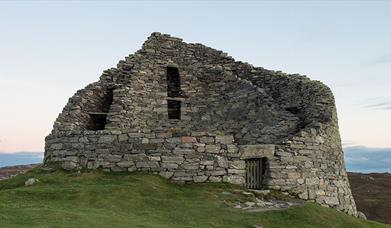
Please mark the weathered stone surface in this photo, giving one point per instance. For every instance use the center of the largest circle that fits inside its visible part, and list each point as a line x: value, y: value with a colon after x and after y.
x: 188, y: 139
x: 234, y: 179
x: 222, y: 162
x: 214, y: 149
x: 200, y: 178
x: 224, y: 139
x: 107, y: 138
x: 166, y: 174
x: 145, y: 146
x: 125, y: 164
x: 69, y: 165
x: 229, y: 112
x: 172, y: 159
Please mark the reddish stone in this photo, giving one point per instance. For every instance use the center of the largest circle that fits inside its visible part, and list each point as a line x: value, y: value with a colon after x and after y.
x: 188, y: 139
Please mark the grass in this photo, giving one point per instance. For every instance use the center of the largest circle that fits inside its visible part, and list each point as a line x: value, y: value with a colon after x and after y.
x: 98, y: 199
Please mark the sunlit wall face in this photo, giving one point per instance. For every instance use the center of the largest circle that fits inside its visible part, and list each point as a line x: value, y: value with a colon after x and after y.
x: 49, y: 50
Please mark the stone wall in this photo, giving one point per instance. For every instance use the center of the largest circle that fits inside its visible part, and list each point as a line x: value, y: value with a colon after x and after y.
x: 200, y: 157
x: 230, y: 111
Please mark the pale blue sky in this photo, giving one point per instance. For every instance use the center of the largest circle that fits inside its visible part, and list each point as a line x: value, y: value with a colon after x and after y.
x: 48, y: 50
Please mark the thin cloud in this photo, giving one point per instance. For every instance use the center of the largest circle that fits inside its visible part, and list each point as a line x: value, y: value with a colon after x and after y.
x: 384, y: 59
x: 379, y: 105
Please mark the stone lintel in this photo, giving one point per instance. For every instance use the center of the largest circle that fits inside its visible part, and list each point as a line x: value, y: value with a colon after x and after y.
x: 256, y: 151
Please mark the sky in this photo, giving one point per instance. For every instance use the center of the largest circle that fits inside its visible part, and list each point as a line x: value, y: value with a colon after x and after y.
x: 49, y: 50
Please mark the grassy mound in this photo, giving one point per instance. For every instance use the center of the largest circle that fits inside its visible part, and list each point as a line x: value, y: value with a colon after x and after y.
x: 62, y: 199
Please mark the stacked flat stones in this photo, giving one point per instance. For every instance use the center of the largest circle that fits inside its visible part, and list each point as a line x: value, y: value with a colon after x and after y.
x: 230, y: 112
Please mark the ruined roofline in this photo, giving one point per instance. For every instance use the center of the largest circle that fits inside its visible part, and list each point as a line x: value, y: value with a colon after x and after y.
x: 321, y: 96
x: 274, y: 83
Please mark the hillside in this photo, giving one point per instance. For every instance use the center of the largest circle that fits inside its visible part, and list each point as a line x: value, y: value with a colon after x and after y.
x: 372, y: 193
x: 10, y: 171
x: 128, y: 200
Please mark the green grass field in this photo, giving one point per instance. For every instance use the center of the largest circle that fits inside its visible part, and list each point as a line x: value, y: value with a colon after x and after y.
x: 140, y: 200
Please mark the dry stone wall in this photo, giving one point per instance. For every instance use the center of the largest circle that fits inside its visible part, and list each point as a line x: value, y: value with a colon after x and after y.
x: 230, y: 111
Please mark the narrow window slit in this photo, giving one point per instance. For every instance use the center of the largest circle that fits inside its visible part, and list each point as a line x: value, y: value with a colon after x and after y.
x: 173, y: 82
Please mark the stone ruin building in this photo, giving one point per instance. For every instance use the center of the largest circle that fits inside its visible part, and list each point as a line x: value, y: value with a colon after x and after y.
x: 193, y: 114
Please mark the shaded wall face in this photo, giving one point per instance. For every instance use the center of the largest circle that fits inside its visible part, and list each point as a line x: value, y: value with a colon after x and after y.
x: 211, y: 99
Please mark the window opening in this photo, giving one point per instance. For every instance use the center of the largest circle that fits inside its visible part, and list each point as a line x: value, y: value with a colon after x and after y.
x: 174, y: 109
x: 98, y: 120
x: 173, y: 82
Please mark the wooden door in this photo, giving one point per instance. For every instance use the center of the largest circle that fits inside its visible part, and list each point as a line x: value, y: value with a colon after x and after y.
x: 254, y: 173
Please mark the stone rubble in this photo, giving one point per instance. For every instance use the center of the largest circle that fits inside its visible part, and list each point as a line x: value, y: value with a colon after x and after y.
x: 30, y: 181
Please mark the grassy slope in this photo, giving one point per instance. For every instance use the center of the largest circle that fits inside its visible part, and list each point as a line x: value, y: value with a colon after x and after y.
x: 139, y: 200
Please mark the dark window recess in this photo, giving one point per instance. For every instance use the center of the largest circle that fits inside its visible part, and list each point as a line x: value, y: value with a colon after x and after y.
x: 107, y: 100
x: 255, y: 173
x: 98, y: 119
x: 293, y: 110
x: 174, y: 109
x: 173, y: 82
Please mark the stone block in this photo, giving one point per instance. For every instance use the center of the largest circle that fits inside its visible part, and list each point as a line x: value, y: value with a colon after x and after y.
x: 118, y: 169
x: 125, y: 164
x: 167, y: 175
x: 123, y: 138
x: 145, y: 146
x: 107, y: 139
x: 222, y: 162
x: 188, y: 139
x: 236, y: 171
x: 224, y: 139
x: 154, y: 158
x: 332, y: 201
x: 173, y: 159
x: 214, y: 149
x: 207, y: 162
x: 183, y: 151
x: 175, y: 140
x: 68, y: 165
x: 146, y: 164
x: 237, y: 164
x: 190, y: 166
x: 169, y: 165
x: 207, y: 140
x: 199, y: 179
x: 256, y: 151
x: 232, y: 149
x: 215, y: 179
x: 234, y: 179
x: 218, y: 172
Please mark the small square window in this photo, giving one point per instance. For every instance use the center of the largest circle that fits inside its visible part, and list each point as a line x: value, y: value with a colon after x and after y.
x: 174, y: 109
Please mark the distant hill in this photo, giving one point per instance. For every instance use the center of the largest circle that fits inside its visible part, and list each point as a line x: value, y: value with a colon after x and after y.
x: 372, y: 193
x: 10, y: 171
